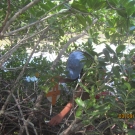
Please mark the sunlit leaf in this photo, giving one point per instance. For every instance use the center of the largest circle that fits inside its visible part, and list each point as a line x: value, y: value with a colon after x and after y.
x: 79, y: 112
x: 80, y: 102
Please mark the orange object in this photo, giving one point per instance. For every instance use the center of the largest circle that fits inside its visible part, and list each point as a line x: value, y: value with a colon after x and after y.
x: 54, y: 94
x: 37, y: 74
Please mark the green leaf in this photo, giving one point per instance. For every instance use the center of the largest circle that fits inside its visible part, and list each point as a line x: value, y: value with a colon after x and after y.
x: 116, y: 71
x: 32, y: 11
x: 106, y: 53
x: 81, y: 19
x: 124, y: 125
x: 84, y: 87
x: 100, y: 5
x: 113, y: 114
x: 122, y: 13
x: 96, y: 5
x: 80, y: 102
x: 89, y: 103
x: 131, y: 132
x: 128, y: 85
x: 83, y: 2
x: 131, y: 100
x: 90, y: 41
x: 130, y: 11
x: 89, y: 20
x: 111, y: 22
x: 40, y: 13
x: 45, y: 6
x: 107, y: 35
x: 120, y: 48
x: 113, y: 2
x: 110, y: 49
x: 79, y: 7
x: 78, y: 112
x: 130, y: 7
x: 50, y: 4
x: 61, y: 32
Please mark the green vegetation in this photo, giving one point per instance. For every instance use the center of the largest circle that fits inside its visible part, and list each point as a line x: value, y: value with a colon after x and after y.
x: 54, y: 27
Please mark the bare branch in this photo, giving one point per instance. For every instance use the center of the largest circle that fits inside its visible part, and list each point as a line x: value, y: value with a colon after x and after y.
x: 38, y: 21
x: 113, y: 7
x: 15, y: 68
x: 68, y: 43
x: 75, y: 126
x: 37, y: 33
x: 8, y: 23
x: 12, y: 50
x: 19, y: 77
x: 64, y: 49
x: 7, y: 15
x: 23, y: 119
x: 34, y: 23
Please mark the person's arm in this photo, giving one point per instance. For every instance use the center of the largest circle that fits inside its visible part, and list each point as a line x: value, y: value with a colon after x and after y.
x: 59, y: 117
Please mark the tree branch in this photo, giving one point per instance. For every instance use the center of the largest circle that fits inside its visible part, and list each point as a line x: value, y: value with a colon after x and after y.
x: 8, y: 23
x: 38, y: 21
x: 34, y: 23
x: 19, y: 77
x: 7, y: 15
x: 68, y: 43
x: 12, y: 50
x: 21, y: 113
x: 113, y: 7
x: 75, y: 126
x: 64, y: 49
x: 15, y: 68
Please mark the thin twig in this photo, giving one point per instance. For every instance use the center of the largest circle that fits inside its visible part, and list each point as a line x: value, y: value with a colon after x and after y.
x: 38, y: 21
x: 11, y: 51
x: 75, y: 125
x: 113, y: 7
x: 7, y: 15
x: 8, y: 23
x: 33, y: 127
x: 64, y: 49
x: 19, y: 77
x: 22, y: 117
x: 15, y: 68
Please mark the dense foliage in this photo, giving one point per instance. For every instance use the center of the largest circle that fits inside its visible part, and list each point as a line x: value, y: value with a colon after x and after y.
x: 56, y: 27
